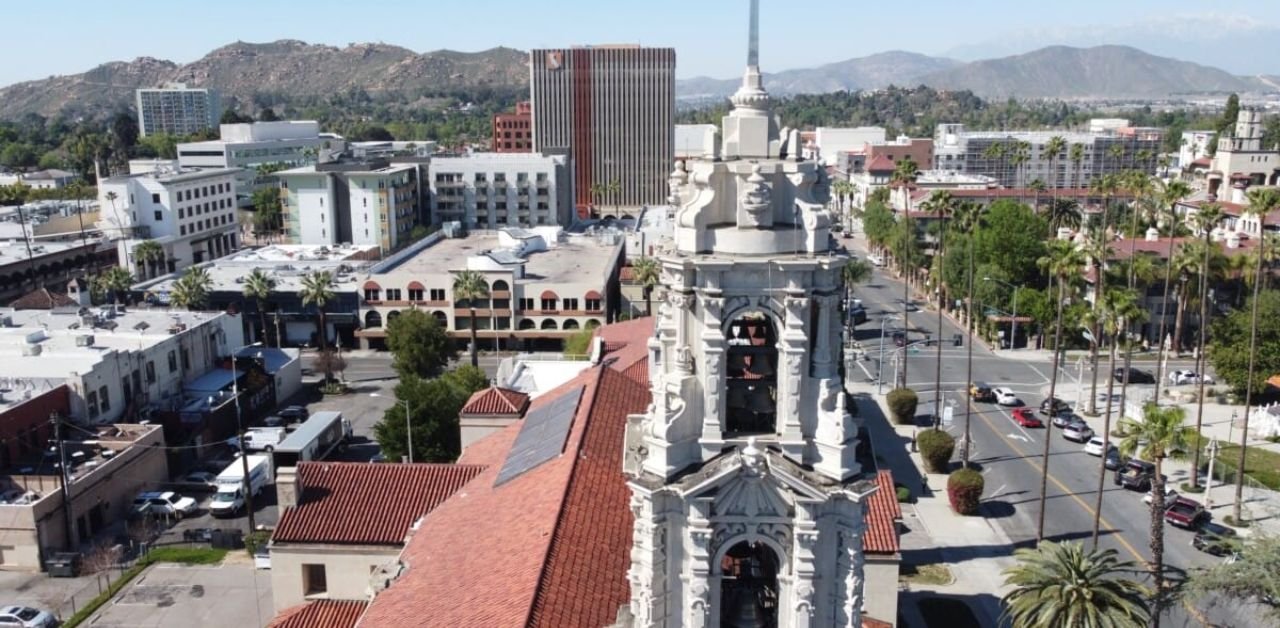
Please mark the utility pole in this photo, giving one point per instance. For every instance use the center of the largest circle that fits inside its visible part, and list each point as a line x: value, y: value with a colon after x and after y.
x: 245, y: 484
x: 64, y: 478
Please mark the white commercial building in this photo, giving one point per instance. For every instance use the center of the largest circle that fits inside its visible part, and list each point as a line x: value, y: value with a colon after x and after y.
x: 696, y: 141
x: 118, y: 365
x: 51, y: 179
x: 1242, y: 160
x: 494, y: 190
x: 831, y: 141
x: 286, y: 144
x: 176, y: 109
x: 190, y: 213
x: 1194, y: 145
x: 358, y: 201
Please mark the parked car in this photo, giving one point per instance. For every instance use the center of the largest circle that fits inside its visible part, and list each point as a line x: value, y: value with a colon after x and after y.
x: 1064, y: 419
x: 1077, y: 431
x: 909, y: 305
x: 1114, y: 460
x: 294, y: 414
x: 1005, y: 397
x: 857, y: 314
x: 1136, y: 475
x: 899, y: 338
x: 1094, y: 446
x: 1215, y: 539
x: 1170, y: 494
x: 204, y: 478
x: 1179, y: 377
x: 1185, y: 513
x: 981, y: 392
x: 1026, y: 418
x: 1136, y: 376
x: 26, y: 617
x: 163, y: 504
x: 876, y: 260
x: 1054, y: 407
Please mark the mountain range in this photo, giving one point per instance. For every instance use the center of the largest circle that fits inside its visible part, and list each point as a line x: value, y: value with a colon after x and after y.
x: 288, y: 68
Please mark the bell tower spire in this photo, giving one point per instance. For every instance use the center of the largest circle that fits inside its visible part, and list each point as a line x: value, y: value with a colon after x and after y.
x: 753, y: 37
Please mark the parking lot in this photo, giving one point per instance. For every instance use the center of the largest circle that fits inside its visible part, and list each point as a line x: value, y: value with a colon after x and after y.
x: 180, y: 595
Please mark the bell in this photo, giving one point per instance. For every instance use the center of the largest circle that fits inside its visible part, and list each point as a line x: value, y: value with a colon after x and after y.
x: 737, y: 398
x: 745, y: 611
x: 761, y: 365
x: 762, y: 401
x: 737, y: 363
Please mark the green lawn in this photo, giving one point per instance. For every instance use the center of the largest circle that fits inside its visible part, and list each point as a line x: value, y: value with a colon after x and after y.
x: 1260, y: 464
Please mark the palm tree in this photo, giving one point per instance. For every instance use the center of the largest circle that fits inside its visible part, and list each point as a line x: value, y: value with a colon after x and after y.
x: 76, y: 191
x: 1076, y: 155
x: 995, y: 152
x: 115, y: 281
x: 1186, y: 262
x: 1158, y: 436
x: 966, y: 218
x: 259, y: 286
x: 613, y: 189
x: 1098, y: 249
x: 905, y: 173
x: 1117, y: 308
x: 843, y: 190
x: 1037, y: 187
x: 1060, y: 585
x: 148, y: 253
x: 646, y: 272
x: 854, y: 271
x: 1021, y: 155
x: 317, y: 289
x: 1170, y: 195
x: 1205, y: 220
x: 1142, y: 272
x: 470, y: 286
x: 1063, y: 261
x: 1054, y: 147
x: 1262, y: 201
x: 1104, y: 186
x: 940, y: 205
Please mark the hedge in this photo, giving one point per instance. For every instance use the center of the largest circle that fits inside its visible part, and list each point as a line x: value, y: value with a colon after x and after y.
x: 964, y: 491
x: 902, y: 403
x: 936, y: 448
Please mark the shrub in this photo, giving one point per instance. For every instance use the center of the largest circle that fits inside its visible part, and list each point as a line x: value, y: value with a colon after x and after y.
x: 936, y: 447
x: 902, y: 403
x: 964, y: 491
x: 904, y: 494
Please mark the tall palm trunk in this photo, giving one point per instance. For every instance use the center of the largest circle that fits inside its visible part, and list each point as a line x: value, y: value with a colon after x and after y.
x: 322, y: 342
x: 1164, y: 318
x: 906, y: 327
x: 475, y: 358
x: 1204, y: 324
x: 937, y: 385
x: 968, y: 397
x: 1053, y: 388
x: 1157, y: 540
x: 1106, y: 445
x: 1101, y: 282
x: 1248, y: 386
x: 1183, y: 295
x: 262, y: 320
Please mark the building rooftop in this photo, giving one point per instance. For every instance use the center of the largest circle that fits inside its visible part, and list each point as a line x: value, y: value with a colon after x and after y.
x: 179, y: 176
x: 496, y: 400
x: 571, y: 259
x: 883, y: 514
x: 287, y: 264
x: 87, y: 450
x: 321, y: 614
x: 367, y: 504
x: 15, y: 251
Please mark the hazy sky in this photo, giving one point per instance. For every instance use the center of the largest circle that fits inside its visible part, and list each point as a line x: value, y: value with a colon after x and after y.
x: 70, y: 36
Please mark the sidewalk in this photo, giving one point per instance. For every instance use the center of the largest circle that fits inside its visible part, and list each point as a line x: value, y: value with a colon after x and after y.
x: 974, y: 549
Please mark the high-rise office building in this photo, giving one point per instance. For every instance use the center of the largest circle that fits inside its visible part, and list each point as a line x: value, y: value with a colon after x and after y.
x: 612, y: 110
x: 177, y: 109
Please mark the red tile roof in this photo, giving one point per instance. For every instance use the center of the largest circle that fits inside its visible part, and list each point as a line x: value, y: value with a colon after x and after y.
x: 871, y: 622
x: 496, y: 400
x: 880, y: 163
x: 883, y: 514
x: 42, y: 299
x: 321, y: 614
x: 367, y: 504
x: 555, y: 537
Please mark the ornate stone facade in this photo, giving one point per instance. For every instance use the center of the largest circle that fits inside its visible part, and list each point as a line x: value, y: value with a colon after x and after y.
x: 747, y: 495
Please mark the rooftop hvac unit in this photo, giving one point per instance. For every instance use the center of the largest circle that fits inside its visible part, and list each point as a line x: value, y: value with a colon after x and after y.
x: 6, y: 321
x: 84, y: 340
x: 31, y: 349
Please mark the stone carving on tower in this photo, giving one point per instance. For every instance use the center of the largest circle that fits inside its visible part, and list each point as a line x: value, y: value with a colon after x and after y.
x: 747, y: 494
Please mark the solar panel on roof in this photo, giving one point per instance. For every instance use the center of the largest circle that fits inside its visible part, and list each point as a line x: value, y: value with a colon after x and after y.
x: 542, y: 435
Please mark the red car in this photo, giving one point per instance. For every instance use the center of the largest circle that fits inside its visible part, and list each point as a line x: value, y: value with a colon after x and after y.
x: 1026, y: 417
x: 1185, y: 513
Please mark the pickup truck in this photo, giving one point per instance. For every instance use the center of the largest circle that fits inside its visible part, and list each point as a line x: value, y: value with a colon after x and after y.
x: 1185, y: 513
x: 1136, y: 475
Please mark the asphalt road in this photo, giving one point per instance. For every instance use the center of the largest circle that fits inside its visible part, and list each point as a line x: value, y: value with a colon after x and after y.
x: 1009, y: 456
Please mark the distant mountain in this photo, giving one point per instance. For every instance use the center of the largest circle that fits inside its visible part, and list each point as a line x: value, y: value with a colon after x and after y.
x: 1098, y: 72
x: 870, y: 72
x: 282, y: 68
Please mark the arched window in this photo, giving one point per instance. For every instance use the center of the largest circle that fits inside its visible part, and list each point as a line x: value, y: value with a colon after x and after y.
x: 749, y: 586
x: 592, y: 323
x: 441, y: 318
x: 372, y: 319
x: 528, y: 323
x: 570, y: 324
x: 372, y: 291
x: 751, y: 378
x: 549, y: 323
x: 500, y: 286
x: 392, y: 315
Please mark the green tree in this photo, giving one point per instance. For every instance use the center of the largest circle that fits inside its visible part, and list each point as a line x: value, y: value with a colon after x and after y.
x: 878, y: 223
x: 646, y: 272
x: 115, y: 282
x: 854, y: 272
x: 1117, y: 309
x: 191, y: 290
x: 433, y: 415
x: 1063, y: 261
x: 1160, y: 435
x: 317, y: 290
x: 259, y: 286
x: 266, y: 205
x: 1170, y: 194
x: 579, y: 344
x: 1253, y: 578
x: 150, y: 254
x: 419, y: 345
x: 1013, y: 238
x: 1076, y: 155
x: 470, y: 286
x: 1060, y: 585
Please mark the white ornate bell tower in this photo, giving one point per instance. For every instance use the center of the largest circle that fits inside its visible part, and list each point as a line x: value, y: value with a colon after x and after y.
x: 747, y: 495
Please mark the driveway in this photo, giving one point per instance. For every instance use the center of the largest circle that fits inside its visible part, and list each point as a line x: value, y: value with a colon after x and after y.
x: 230, y: 594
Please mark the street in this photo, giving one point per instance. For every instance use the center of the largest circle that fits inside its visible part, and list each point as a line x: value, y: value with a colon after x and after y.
x: 1009, y: 456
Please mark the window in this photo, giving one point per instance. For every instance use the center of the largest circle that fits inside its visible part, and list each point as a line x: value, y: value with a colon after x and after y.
x: 437, y: 294
x: 186, y: 359
x: 158, y: 215
x: 570, y: 304
x: 104, y: 398
x: 548, y: 304
x: 415, y: 294
x: 593, y: 305
x: 371, y: 294
x: 313, y: 580
x: 173, y: 361
x: 92, y: 400
x: 393, y: 294
x: 182, y: 230
x: 151, y: 372
x: 155, y: 198
x: 180, y: 214
x: 526, y: 304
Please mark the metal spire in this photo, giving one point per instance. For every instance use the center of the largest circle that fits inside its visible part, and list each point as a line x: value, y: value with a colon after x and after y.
x: 753, y: 41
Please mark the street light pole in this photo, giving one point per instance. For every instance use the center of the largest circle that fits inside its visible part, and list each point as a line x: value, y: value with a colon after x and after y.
x: 1208, y: 481
x: 408, y: 426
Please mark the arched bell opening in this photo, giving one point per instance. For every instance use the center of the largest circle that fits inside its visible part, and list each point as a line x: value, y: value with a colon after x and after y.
x: 751, y: 376
x: 749, y: 586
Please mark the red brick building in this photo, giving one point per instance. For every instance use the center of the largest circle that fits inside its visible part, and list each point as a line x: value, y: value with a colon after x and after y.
x: 25, y: 430
x: 513, y: 132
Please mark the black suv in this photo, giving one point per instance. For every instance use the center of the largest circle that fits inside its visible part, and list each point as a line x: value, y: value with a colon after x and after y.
x: 1054, y: 407
x: 1136, y: 475
x: 981, y: 392
x: 1136, y: 376
x: 294, y: 414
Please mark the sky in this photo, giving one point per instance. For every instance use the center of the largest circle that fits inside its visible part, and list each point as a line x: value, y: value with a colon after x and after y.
x: 71, y: 36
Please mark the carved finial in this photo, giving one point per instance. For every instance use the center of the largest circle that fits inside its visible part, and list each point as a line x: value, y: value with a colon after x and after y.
x: 752, y: 456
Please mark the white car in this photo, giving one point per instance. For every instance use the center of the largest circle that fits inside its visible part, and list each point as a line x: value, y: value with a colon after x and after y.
x: 1177, y: 378
x: 1169, y: 495
x: 1094, y: 446
x: 875, y: 260
x: 1005, y: 397
x: 1077, y: 431
x: 26, y: 617
x: 162, y: 504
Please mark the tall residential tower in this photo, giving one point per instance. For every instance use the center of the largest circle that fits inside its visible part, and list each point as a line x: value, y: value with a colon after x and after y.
x: 176, y: 109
